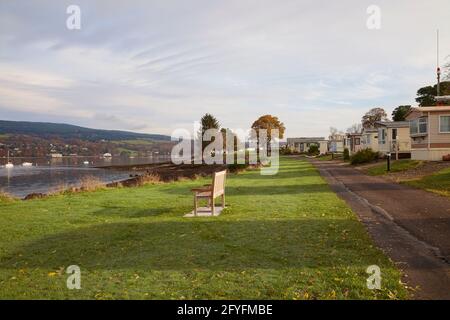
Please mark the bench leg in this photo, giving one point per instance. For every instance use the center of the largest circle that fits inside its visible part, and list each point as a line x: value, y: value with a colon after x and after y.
x: 195, y: 205
x: 213, y: 205
x: 223, y: 200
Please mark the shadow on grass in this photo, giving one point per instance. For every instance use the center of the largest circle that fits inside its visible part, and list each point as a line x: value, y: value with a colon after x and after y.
x: 129, y: 212
x: 282, y: 174
x: 201, y: 244
x: 266, y: 189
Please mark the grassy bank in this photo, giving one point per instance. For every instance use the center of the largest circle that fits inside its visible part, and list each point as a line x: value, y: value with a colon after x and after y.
x: 282, y: 237
x: 438, y: 183
x: 396, y: 166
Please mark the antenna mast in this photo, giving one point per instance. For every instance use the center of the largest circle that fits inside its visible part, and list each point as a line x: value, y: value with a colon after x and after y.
x: 438, y: 68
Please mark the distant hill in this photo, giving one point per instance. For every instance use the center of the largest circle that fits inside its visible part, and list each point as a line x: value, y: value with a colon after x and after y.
x: 67, y: 131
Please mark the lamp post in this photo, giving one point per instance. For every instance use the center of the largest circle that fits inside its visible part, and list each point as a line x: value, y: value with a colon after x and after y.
x: 388, y: 158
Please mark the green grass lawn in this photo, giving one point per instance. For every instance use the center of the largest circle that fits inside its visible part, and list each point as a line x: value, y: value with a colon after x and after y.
x: 282, y: 237
x: 438, y: 183
x: 327, y: 157
x: 396, y: 166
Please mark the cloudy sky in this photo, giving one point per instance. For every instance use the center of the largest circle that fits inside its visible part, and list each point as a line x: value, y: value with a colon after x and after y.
x: 153, y: 66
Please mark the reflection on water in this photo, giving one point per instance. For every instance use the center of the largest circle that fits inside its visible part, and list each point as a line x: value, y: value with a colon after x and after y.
x: 20, y: 181
x: 47, y: 175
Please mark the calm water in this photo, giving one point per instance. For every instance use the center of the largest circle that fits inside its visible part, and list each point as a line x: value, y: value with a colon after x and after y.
x: 47, y: 175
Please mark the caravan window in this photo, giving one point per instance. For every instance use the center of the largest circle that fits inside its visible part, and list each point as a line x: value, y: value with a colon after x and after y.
x: 418, y: 126
x: 444, y: 124
x: 381, y: 136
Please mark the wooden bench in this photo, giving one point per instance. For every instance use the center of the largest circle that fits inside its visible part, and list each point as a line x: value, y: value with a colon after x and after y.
x: 211, y: 191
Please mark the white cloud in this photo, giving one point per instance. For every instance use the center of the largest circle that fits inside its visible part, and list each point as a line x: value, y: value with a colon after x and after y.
x: 19, y: 75
x: 29, y: 101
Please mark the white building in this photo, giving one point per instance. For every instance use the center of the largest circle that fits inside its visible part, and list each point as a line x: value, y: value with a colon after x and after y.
x: 302, y: 144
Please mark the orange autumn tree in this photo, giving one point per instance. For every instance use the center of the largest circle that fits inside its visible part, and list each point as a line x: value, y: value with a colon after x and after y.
x: 268, y: 122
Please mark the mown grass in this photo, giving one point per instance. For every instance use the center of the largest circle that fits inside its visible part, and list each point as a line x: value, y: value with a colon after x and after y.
x: 396, y: 166
x: 438, y: 183
x: 326, y: 157
x: 286, y: 236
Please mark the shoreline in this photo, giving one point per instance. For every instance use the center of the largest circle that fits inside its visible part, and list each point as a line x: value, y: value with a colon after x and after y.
x: 143, y: 174
x: 139, y: 174
x: 163, y: 172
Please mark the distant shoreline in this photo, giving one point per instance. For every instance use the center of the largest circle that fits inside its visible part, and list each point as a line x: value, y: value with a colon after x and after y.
x: 132, y: 166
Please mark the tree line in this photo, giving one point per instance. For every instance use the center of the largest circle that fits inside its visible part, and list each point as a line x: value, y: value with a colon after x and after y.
x: 266, y: 122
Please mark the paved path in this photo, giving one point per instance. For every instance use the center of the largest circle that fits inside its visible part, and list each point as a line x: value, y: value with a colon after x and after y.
x: 412, y: 226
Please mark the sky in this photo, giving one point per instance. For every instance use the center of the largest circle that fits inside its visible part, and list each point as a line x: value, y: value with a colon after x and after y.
x: 156, y: 66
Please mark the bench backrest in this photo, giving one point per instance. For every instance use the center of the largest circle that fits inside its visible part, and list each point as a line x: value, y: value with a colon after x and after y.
x: 219, y: 183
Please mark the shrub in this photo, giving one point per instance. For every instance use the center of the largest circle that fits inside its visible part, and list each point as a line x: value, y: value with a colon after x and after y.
x: 287, y: 151
x: 151, y: 178
x: 6, y: 197
x: 364, y: 156
x: 313, y: 150
x: 59, y: 189
x: 91, y: 183
x: 346, y: 154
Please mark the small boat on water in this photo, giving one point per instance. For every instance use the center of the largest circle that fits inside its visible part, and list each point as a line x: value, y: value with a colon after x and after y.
x: 27, y: 164
x: 86, y: 163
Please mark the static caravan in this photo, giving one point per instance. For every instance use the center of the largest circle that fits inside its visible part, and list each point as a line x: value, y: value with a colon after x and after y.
x: 369, y: 139
x: 429, y: 132
x: 302, y: 144
x: 353, y: 142
x: 393, y: 137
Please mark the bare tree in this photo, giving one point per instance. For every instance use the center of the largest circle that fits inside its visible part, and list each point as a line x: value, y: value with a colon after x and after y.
x: 355, y: 128
x: 335, y: 134
x: 447, y: 69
